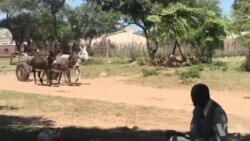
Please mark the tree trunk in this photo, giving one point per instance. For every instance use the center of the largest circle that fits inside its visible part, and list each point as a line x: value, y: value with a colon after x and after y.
x: 174, y: 49
x: 248, y: 56
x: 54, y: 22
x: 151, y: 50
x: 182, y: 55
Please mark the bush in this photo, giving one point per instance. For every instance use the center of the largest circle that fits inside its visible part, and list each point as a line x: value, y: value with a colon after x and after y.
x: 94, y: 62
x: 149, y: 72
x: 198, y: 67
x: 142, y: 61
x: 219, y: 65
x: 120, y: 61
x: 245, y: 66
x: 193, y: 60
x: 187, y: 76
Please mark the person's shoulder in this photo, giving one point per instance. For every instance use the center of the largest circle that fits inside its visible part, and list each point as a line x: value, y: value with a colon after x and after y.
x: 219, y: 109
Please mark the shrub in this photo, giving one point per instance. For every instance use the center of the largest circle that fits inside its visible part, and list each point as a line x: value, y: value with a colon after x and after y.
x: 219, y: 65
x: 94, y: 62
x: 120, y: 61
x: 198, y: 67
x: 149, y: 72
x: 193, y: 60
x: 187, y: 76
x: 142, y: 61
x: 245, y: 66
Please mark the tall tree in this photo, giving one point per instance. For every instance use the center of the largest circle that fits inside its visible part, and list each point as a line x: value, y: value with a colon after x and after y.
x: 174, y: 24
x: 18, y: 16
x: 213, y: 28
x: 136, y: 12
x: 54, y: 6
x: 241, y: 14
x: 89, y: 21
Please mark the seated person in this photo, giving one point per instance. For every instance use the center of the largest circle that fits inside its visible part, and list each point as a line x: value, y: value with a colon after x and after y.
x: 209, y: 122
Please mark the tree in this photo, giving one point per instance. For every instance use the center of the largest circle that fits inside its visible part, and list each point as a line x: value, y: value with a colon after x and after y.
x: 89, y: 21
x: 207, y: 5
x: 136, y: 12
x: 54, y: 5
x: 185, y: 22
x: 241, y: 14
x: 212, y: 30
x: 174, y: 24
x: 13, y: 7
x: 18, y: 18
x: 209, y: 37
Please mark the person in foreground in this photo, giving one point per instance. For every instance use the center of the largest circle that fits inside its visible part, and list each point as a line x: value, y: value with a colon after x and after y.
x: 209, y: 121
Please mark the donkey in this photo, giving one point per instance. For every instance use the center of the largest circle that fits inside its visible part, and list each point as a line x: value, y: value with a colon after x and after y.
x: 40, y: 64
x: 63, y: 63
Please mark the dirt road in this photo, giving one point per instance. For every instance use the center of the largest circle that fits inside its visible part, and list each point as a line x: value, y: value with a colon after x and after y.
x: 115, y: 91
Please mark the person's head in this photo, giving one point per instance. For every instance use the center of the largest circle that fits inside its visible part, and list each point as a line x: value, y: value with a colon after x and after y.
x: 200, y: 95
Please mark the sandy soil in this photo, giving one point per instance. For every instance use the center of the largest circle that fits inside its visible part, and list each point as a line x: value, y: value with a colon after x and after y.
x: 114, y: 90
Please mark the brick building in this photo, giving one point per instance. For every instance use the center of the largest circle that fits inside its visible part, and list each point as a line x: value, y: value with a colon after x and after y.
x: 7, y: 46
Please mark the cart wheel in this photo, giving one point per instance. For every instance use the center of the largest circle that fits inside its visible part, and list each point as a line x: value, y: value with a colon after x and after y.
x: 23, y: 72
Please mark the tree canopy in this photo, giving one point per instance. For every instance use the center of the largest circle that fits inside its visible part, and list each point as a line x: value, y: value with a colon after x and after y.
x: 197, y: 22
x: 241, y: 15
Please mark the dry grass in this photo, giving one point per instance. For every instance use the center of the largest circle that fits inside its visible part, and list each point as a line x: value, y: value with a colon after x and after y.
x: 69, y: 112
x: 20, y: 112
x: 4, y: 65
x: 231, y: 80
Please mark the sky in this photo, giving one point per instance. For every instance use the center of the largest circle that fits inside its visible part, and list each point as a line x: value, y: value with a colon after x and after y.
x: 224, y: 4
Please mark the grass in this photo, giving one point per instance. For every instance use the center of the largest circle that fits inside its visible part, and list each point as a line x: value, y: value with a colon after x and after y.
x: 65, y: 111
x: 111, y: 66
x: 4, y: 65
x: 23, y: 116
x: 228, y: 77
x: 219, y: 76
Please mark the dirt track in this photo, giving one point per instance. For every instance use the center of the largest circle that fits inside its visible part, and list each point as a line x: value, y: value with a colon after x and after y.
x: 114, y: 90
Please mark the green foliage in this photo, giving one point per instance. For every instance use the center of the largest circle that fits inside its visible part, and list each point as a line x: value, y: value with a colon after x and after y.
x: 219, y: 65
x: 245, y: 66
x: 94, y: 62
x: 241, y: 24
x: 208, y: 5
x: 136, y: 12
x: 209, y: 37
x: 198, y: 67
x: 188, y: 75
x: 120, y: 61
x: 89, y: 21
x: 193, y: 60
x: 174, y: 22
x: 149, y: 72
x: 142, y: 61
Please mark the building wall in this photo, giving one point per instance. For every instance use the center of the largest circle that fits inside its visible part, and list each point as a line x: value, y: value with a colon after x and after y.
x: 120, y: 39
x: 7, y: 50
x: 127, y: 37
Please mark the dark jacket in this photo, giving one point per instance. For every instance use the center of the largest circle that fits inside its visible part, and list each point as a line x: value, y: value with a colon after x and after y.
x: 209, y: 124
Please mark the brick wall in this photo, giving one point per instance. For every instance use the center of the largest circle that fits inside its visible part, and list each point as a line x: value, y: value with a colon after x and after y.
x: 7, y: 50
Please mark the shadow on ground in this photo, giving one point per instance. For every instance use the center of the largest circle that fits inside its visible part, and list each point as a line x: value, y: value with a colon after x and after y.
x: 14, y: 128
